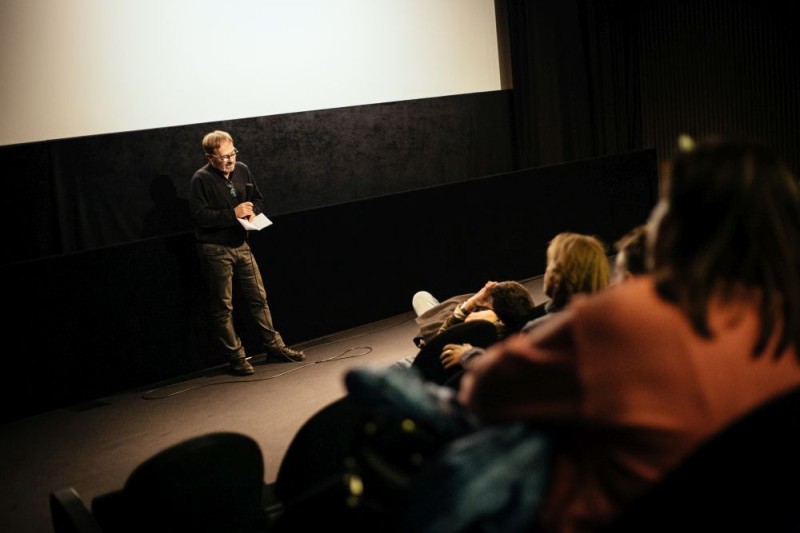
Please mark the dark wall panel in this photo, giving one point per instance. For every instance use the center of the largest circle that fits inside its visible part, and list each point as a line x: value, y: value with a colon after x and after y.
x: 720, y: 67
x: 93, y: 192
x: 448, y: 240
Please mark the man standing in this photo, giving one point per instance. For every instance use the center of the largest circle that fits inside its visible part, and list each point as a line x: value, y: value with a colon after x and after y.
x: 222, y: 192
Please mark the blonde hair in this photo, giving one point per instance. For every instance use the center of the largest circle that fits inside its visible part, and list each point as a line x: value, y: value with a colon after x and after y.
x: 213, y: 140
x: 554, y: 246
x: 576, y: 263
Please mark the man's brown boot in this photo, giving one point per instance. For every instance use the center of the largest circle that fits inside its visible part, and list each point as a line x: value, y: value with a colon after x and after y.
x: 280, y: 353
x: 241, y: 366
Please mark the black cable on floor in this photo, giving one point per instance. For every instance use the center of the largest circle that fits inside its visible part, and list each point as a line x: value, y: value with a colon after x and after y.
x: 152, y: 394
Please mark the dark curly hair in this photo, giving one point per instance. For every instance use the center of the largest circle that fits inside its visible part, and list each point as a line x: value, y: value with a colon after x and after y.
x: 512, y: 303
x: 632, y: 248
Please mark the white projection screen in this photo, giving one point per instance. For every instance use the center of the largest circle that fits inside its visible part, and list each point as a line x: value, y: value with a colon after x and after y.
x: 72, y: 68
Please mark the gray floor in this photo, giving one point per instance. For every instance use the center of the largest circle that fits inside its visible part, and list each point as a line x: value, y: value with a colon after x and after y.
x: 93, y: 447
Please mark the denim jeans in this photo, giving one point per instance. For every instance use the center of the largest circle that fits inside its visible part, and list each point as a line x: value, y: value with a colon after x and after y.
x: 221, y: 265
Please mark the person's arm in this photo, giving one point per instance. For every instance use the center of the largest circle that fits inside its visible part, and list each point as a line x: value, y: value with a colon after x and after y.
x: 207, y: 210
x: 428, y: 359
x: 482, y: 298
x: 458, y: 316
x: 470, y: 355
x: 526, y: 376
x: 253, y: 193
x: 452, y: 353
x: 479, y: 300
x: 460, y: 354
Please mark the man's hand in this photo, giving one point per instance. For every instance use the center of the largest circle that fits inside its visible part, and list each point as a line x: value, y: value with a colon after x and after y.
x: 482, y: 298
x: 244, y: 210
x: 451, y: 354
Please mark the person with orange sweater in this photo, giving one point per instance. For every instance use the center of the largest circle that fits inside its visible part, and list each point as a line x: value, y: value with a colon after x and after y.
x: 639, y: 375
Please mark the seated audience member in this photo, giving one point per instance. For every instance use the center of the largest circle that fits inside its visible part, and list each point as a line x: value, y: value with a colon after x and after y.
x: 576, y: 264
x: 434, y: 316
x: 642, y: 373
x: 508, y: 304
x: 630, y: 259
x: 491, y: 314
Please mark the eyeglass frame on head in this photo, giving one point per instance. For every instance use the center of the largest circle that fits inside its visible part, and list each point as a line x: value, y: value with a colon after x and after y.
x: 224, y: 158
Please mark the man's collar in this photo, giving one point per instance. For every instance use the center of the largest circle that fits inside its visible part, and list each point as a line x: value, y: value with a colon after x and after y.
x: 216, y: 171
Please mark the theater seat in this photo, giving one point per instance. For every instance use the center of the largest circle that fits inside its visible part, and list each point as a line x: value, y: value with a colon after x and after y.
x: 69, y: 513
x: 746, y: 478
x: 210, y: 483
x: 317, y: 453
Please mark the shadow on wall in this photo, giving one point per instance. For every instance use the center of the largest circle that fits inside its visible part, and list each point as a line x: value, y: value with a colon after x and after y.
x: 170, y: 213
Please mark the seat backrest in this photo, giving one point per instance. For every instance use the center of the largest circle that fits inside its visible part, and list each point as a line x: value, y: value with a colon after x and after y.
x: 213, y: 482
x: 746, y: 478
x: 317, y: 453
x: 69, y: 513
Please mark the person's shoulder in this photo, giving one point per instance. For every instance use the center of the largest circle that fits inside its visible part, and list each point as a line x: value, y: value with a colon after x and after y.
x: 632, y: 289
x: 631, y: 300
x: 538, y: 311
x: 533, y: 323
x: 201, y: 172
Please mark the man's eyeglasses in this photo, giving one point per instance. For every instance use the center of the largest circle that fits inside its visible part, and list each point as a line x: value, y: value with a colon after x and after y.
x: 225, y: 158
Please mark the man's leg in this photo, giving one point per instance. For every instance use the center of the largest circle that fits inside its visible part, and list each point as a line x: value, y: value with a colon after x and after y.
x: 423, y: 301
x: 249, y: 278
x: 217, y: 266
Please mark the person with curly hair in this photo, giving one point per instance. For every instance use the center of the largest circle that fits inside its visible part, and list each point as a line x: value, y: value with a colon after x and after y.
x: 576, y: 263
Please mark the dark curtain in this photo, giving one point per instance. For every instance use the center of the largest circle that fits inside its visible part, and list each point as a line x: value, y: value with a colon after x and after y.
x: 721, y: 67
x: 575, y: 78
